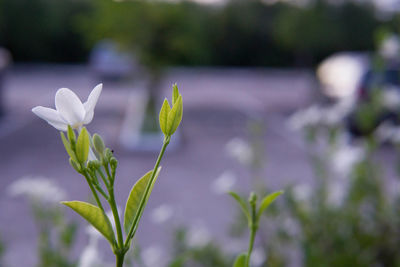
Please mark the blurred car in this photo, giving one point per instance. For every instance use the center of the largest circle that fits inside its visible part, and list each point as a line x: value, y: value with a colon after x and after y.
x: 378, y: 100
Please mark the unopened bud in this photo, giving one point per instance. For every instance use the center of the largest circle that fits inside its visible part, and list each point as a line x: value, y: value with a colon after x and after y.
x: 94, y: 164
x: 113, y: 163
x: 252, y: 198
x: 98, y: 144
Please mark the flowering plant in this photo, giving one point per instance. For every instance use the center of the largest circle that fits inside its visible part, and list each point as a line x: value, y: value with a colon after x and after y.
x: 90, y: 158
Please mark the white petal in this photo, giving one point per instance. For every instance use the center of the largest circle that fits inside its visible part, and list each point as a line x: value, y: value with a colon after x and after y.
x: 51, y: 116
x: 69, y: 106
x: 91, y: 102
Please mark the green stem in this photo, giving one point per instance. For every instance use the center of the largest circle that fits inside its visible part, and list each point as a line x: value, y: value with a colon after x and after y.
x: 84, y: 173
x: 251, y: 244
x: 146, y: 193
x: 114, y: 209
x: 253, y: 230
x: 120, y: 259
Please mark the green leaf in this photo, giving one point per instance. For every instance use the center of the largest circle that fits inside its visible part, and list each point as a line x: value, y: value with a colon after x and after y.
x: 95, y: 217
x: 165, y: 109
x: 242, y: 203
x: 135, y: 197
x: 82, y: 146
x: 175, y: 93
x: 266, y: 202
x: 175, y: 116
x: 240, y: 260
x: 67, y: 146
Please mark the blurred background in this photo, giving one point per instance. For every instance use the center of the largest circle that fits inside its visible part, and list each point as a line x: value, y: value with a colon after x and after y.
x: 299, y: 95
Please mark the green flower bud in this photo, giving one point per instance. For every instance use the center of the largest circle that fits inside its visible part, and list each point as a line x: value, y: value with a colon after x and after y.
x: 253, y: 198
x: 107, y: 155
x: 82, y: 146
x: 170, y: 118
x: 94, y: 164
x: 98, y: 144
x: 113, y: 163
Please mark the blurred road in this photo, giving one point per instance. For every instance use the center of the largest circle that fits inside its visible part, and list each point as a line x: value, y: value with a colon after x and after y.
x: 217, y: 106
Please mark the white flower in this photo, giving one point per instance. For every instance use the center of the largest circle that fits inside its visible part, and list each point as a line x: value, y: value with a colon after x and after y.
x: 391, y: 98
x: 240, y: 150
x: 198, y: 236
x: 37, y: 189
x: 345, y: 157
x: 390, y: 47
x: 224, y: 182
x: 69, y: 109
x: 302, y: 192
x: 388, y: 132
x: 258, y: 256
x: 162, y: 214
x: 152, y: 256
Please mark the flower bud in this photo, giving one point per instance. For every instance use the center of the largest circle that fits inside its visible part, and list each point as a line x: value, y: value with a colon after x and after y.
x: 253, y: 198
x: 98, y: 144
x: 113, y: 163
x: 82, y: 146
x: 170, y: 118
x: 107, y: 155
x: 94, y: 164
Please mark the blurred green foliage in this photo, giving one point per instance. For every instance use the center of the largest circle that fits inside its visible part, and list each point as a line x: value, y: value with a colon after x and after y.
x: 42, y: 30
x: 240, y: 33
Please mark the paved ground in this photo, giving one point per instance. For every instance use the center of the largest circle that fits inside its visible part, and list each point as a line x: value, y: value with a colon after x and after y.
x: 217, y: 104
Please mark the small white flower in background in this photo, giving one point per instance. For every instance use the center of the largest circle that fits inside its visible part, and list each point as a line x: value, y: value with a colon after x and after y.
x: 301, y: 119
x: 240, y: 150
x: 302, y: 192
x: 152, y: 256
x: 337, y: 192
x: 161, y: 214
x: 224, y: 183
x: 91, y: 256
x: 39, y: 189
x: 387, y: 132
x: 390, y: 47
x: 321, y: 115
x: 258, y: 257
x: 344, y: 158
x: 391, y: 98
x: 198, y: 236
x: 69, y: 109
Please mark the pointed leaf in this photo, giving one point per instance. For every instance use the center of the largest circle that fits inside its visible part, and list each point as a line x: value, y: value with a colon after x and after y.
x: 165, y: 109
x: 135, y: 197
x: 175, y: 116
x: 242, y: 204
x: 175, y: 93
x: 266, y: 202
x: 82, y: 146
x: 95, y: 217
x: 240, y: 260
x: 67, y: 146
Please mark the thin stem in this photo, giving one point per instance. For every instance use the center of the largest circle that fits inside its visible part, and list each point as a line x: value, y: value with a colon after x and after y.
x: 114, y: 209
x: 253, y: 230
x: 251, y: 244
x: 146, y: 193
x: 103, y: 178
x: 84, y: 173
